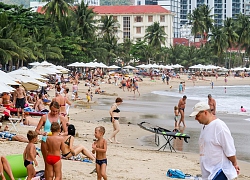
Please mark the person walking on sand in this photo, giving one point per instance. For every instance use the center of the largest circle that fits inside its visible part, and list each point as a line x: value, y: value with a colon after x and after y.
x: 20, y: 99
x: 115, y: 115
x: 54, y: 146
x: 217, y: 151
x: 62, y: 101
x: 212, y: 104
x: 100, y: 148
x: 136, y: 86
x: 181, y: 107
x: 176, y: 115
x: 29, y: 154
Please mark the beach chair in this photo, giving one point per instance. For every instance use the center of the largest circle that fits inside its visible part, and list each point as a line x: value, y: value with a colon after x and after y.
x: 14, y: 122
x: 165, y: 133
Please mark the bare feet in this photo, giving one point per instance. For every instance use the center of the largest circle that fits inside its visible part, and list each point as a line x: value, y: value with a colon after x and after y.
x: 117, y: 142
x: 110, y: 140
x: 6, y: 128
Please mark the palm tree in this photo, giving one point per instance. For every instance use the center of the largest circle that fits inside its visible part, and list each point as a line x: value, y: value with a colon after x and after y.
x: 108, y: 25
x: 219, y: 42
x: 207, y: 19
x: 232, y: 36
x: 85, y: 21
x: 197, y: 22
x: 155, y: 35
x: 55, y: 10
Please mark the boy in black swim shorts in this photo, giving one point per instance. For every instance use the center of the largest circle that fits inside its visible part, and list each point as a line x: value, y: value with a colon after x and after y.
x: 29, y: 154
x: 100, y: 147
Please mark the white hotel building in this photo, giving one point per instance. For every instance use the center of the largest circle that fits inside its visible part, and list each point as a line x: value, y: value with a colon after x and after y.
x: 134, y: 20
x: 34, y: 4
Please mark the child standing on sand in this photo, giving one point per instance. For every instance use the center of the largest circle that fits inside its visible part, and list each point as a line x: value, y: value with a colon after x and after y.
x: 100, y: 147
x: 176, y: 114
x: 88, y: 95
x: 54, y: 145
x: 29, y: 154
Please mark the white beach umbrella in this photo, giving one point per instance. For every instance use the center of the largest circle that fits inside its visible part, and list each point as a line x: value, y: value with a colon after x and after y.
x: 91, y: 64
x: 168, y: 67
x: 73, y: 64
x: 113, y: 67
x: 34, y: 64
x: 177, y: 66
x: 29, y: 83
x: 5, y: 88
x: 101, y: 65
x: 43, y: 70
x: 198, y: 66
x: 7, y: 79
x: 24, y: 71
x: 46, y: 63
x: 141, y: 66
x: 129, y: 67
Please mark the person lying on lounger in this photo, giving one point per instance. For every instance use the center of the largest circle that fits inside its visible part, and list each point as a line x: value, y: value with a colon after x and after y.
x: 71, y: 150
x: 7, y: 136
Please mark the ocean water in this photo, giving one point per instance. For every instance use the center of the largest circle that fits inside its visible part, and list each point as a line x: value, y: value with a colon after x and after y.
x: 229, y: 99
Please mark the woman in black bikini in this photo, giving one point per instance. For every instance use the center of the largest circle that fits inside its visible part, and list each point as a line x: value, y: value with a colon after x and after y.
x: 115, y: 115
x: 71, y: 150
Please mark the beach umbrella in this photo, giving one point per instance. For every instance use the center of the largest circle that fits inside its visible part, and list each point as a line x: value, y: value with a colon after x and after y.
x: 113, y: 67
x: 34, y: 64
x: 73, y: 64
x: 45, y: 63
x: 129, y: 67
x: 43, y: 70
x: 24, y: 71
x: 168, y: 67
x: 29, y: 83
x: 5, y: 88
x: 101, y: 65
x: 141, y: 66
x: 177, y: 66
x: 7, y: 79
x: 198, y: 66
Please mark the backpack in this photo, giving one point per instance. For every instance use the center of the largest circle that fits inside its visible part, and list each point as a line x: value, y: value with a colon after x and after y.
x: 175, y: 173
x: 71, y: 130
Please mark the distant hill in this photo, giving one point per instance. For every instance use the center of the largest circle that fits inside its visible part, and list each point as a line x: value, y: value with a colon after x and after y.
x: 116, y: 2
x: 25, y: 3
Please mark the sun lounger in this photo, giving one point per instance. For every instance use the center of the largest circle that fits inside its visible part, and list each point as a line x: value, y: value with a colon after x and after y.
x: 167, y: 135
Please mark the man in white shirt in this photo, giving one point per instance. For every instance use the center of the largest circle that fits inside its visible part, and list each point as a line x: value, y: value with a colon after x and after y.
x: 217, y: 151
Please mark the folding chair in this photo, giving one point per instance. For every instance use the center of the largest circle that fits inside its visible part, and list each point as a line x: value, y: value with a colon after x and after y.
x: 14, y: 122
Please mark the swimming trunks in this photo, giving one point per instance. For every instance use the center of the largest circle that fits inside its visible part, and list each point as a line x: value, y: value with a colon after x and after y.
x: 182, y: 109
x: 116, y: 118
x: 26, y: 163
x: 7, y: 135
x: 176, y: 118
x: 52, y: 159
x: 100, y: 162
x: 47, y: 126
x: 65, y: 155
x: 20, y: 103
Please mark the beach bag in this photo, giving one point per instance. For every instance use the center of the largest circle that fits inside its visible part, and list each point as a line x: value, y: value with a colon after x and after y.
x: 71, y: 130
x: 175, y: 173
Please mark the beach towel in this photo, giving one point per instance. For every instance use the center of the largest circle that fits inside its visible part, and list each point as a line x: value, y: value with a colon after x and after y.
x: 78, y: 158
x: 175, y: 173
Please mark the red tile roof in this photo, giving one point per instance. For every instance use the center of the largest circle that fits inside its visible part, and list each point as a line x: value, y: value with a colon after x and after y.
x: 143, y: 9
x: 185, y: 42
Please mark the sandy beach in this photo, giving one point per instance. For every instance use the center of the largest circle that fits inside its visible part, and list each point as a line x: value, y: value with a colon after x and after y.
x: 133, y: 159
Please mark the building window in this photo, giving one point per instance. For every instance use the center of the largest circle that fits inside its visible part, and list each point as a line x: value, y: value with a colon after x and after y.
x: 138, y: 30
x: 138, y: 19
x: 150, y: 18
x: 162, y: 18
x: 126, y: 28
x: 115, y: 18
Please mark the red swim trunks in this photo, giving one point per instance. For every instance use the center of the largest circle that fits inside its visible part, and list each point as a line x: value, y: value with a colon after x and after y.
x: 52, y: 159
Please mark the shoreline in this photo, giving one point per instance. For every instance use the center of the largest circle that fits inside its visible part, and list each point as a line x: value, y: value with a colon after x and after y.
x: 128, y: 159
